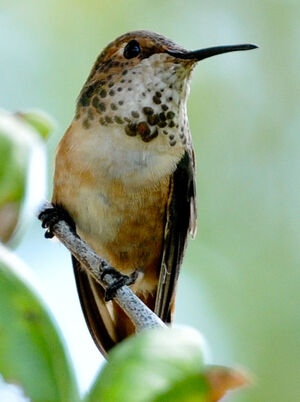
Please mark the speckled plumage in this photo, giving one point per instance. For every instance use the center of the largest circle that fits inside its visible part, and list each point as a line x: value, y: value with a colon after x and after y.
x: 156, y: 105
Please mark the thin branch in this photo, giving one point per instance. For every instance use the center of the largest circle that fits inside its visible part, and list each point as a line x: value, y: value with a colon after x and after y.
x: 141, y: 316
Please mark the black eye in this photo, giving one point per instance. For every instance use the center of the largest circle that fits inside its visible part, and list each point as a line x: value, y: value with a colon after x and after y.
x: 132, y: 49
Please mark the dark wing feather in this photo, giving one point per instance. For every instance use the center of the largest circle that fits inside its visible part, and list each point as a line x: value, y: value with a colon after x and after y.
x: 180, y: 219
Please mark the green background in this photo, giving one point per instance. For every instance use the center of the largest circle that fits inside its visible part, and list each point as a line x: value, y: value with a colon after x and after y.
x: 240, y: 281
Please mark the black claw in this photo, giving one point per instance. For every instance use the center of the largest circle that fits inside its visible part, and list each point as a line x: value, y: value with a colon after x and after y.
x: 51, y: 216
x: 48, y: 234
x: 119, y: 281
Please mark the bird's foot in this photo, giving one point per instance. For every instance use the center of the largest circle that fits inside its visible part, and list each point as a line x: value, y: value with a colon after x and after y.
x: 51, y: 216
x: 119, y: 280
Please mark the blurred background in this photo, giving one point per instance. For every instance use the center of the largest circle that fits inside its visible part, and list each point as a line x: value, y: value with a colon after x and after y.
x: 240, y: 279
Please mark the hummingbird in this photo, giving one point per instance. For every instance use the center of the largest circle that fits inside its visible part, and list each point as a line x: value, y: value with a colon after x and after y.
x: 125, y: 174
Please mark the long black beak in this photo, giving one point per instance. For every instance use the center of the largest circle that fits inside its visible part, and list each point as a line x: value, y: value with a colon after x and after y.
x: 210, y: 51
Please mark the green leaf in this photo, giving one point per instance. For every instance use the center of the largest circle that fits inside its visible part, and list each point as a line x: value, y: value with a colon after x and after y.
x: 38, y: 120
x: 209, y: 386
x: 162, y: 365
x: 12, y: 169
x: 190, y: 389
x: 31, y: 351
x: 149, y: 364
x: 22, y: 174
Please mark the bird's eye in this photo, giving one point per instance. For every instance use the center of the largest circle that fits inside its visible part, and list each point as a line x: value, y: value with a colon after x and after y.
x: 132, y: 49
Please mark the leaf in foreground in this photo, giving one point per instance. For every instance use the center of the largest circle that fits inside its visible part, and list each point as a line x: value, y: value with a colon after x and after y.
x: 159, y: 365
x: 40, y: 121
x: 22, y: 174
x: 31, y: 352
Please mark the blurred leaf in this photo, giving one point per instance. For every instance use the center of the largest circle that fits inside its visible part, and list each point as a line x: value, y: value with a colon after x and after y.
x: 191, y: 389
x: 39, y: 120
x: 31, y: 352
x: 210, y: 386
x: 22, y: 173
x: 12, y: 169
x: 144, y: 366
x: 162, y: 365
x: 223, y: 379
x: 9, y: 213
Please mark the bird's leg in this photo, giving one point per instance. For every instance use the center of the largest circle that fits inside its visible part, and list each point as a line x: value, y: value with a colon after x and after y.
x: 52, y: 215
x: 119, y: 280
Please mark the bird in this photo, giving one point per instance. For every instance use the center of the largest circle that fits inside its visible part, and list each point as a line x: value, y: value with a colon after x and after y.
x: 125, y: 174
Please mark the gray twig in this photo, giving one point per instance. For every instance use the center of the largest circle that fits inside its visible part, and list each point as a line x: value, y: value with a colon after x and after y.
x: 141, y: 316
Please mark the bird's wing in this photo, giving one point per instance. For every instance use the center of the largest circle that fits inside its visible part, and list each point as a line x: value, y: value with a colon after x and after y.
x: 180, y: 220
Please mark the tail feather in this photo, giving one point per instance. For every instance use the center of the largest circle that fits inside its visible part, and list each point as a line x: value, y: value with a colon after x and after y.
x: 107, y: 322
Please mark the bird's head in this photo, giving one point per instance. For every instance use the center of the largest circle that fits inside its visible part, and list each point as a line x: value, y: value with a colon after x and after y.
x: 141, y: 81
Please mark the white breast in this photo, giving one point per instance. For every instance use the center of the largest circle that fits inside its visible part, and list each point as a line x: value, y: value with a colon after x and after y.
x: 112, y: 153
